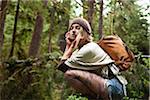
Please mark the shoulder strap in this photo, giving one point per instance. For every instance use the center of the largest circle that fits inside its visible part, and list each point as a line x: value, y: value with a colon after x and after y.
x: 114, y: 68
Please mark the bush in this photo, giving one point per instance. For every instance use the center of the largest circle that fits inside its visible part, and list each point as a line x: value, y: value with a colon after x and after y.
x: 38, y: 79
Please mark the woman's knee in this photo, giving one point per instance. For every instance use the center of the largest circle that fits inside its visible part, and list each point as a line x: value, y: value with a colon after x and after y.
x: 69, y: 74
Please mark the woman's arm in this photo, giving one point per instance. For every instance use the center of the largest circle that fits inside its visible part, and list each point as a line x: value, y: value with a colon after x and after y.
x: 70, y: 46
x: 67, y: 53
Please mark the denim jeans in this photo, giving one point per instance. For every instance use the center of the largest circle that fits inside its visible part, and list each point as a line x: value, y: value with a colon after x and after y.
x: 115, y: 89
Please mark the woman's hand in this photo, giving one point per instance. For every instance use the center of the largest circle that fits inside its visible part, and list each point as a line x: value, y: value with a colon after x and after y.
x: 68, y: 40
x: 75, y: 43
x: 71, y: 45
x: 72, y: 42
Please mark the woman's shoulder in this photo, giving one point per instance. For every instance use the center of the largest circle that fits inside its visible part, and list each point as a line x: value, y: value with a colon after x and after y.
x: 93, y: 45
x: 88, y: 48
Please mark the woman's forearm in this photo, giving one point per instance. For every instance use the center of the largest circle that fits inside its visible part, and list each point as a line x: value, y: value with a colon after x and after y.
x: 67, y: 53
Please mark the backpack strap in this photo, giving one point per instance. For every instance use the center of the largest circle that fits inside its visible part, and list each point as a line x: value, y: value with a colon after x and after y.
x: 114, y: 68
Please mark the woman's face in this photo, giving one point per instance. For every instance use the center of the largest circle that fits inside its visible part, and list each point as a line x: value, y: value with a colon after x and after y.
x: 75, y: 29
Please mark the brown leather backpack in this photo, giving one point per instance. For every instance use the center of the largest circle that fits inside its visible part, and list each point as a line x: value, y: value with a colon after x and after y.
x: 118, y: 51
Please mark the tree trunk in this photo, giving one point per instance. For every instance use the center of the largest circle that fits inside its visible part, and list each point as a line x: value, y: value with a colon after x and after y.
x: 90, y: 11
x: 36, y: 37
x: 100, y: 29
x: 65, y: 23
x: 45, y: 2
x: 113, y: 16
x: 66, y: 16
x: 85, y: 11
x: 3, y: 7
x: 51, y: 28
x: 14, y: 31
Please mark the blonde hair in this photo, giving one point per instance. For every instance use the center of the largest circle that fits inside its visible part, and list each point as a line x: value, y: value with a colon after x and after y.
x: 88, y: 37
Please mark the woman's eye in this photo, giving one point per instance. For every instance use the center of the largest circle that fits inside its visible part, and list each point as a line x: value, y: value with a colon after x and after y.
x: 71, y: 28
x: 78, y: 27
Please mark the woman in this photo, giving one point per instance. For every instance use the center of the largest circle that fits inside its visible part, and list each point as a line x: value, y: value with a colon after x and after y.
x: 88, y: 69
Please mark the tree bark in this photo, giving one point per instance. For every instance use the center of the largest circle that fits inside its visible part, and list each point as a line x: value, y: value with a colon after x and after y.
x: 90, y: 11
x: 14, y: 31
x: 100, y: 29
x: 3, y: 8
x: 36, y: 37
x: 51, y: 28
x: 45, y: 2
x: 65, y: 23
x: 84, y: 2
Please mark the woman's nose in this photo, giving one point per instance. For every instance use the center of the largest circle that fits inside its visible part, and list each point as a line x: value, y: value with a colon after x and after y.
x: 73, y: 31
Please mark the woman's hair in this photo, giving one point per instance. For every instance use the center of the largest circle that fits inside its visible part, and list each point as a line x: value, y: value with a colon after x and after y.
x: 89, y: 37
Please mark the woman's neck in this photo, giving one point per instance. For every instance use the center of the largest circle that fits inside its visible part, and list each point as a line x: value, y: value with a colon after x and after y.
x: 82, y: 44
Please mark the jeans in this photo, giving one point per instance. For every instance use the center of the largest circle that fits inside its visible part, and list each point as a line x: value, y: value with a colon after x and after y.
x: 115, y: 89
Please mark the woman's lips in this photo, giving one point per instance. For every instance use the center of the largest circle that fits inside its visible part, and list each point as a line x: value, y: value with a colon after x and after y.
x: 71, y: 39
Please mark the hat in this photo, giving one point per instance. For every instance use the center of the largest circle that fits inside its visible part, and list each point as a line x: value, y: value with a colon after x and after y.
x: 84, y: 23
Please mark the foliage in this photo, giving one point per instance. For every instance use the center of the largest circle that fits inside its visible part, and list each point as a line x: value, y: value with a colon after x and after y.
x: 31, y: 79
x: 76, y: 97
x: 139, y: 88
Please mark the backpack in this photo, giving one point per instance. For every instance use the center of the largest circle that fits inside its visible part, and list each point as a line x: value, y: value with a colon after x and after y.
x: 117, y: 50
